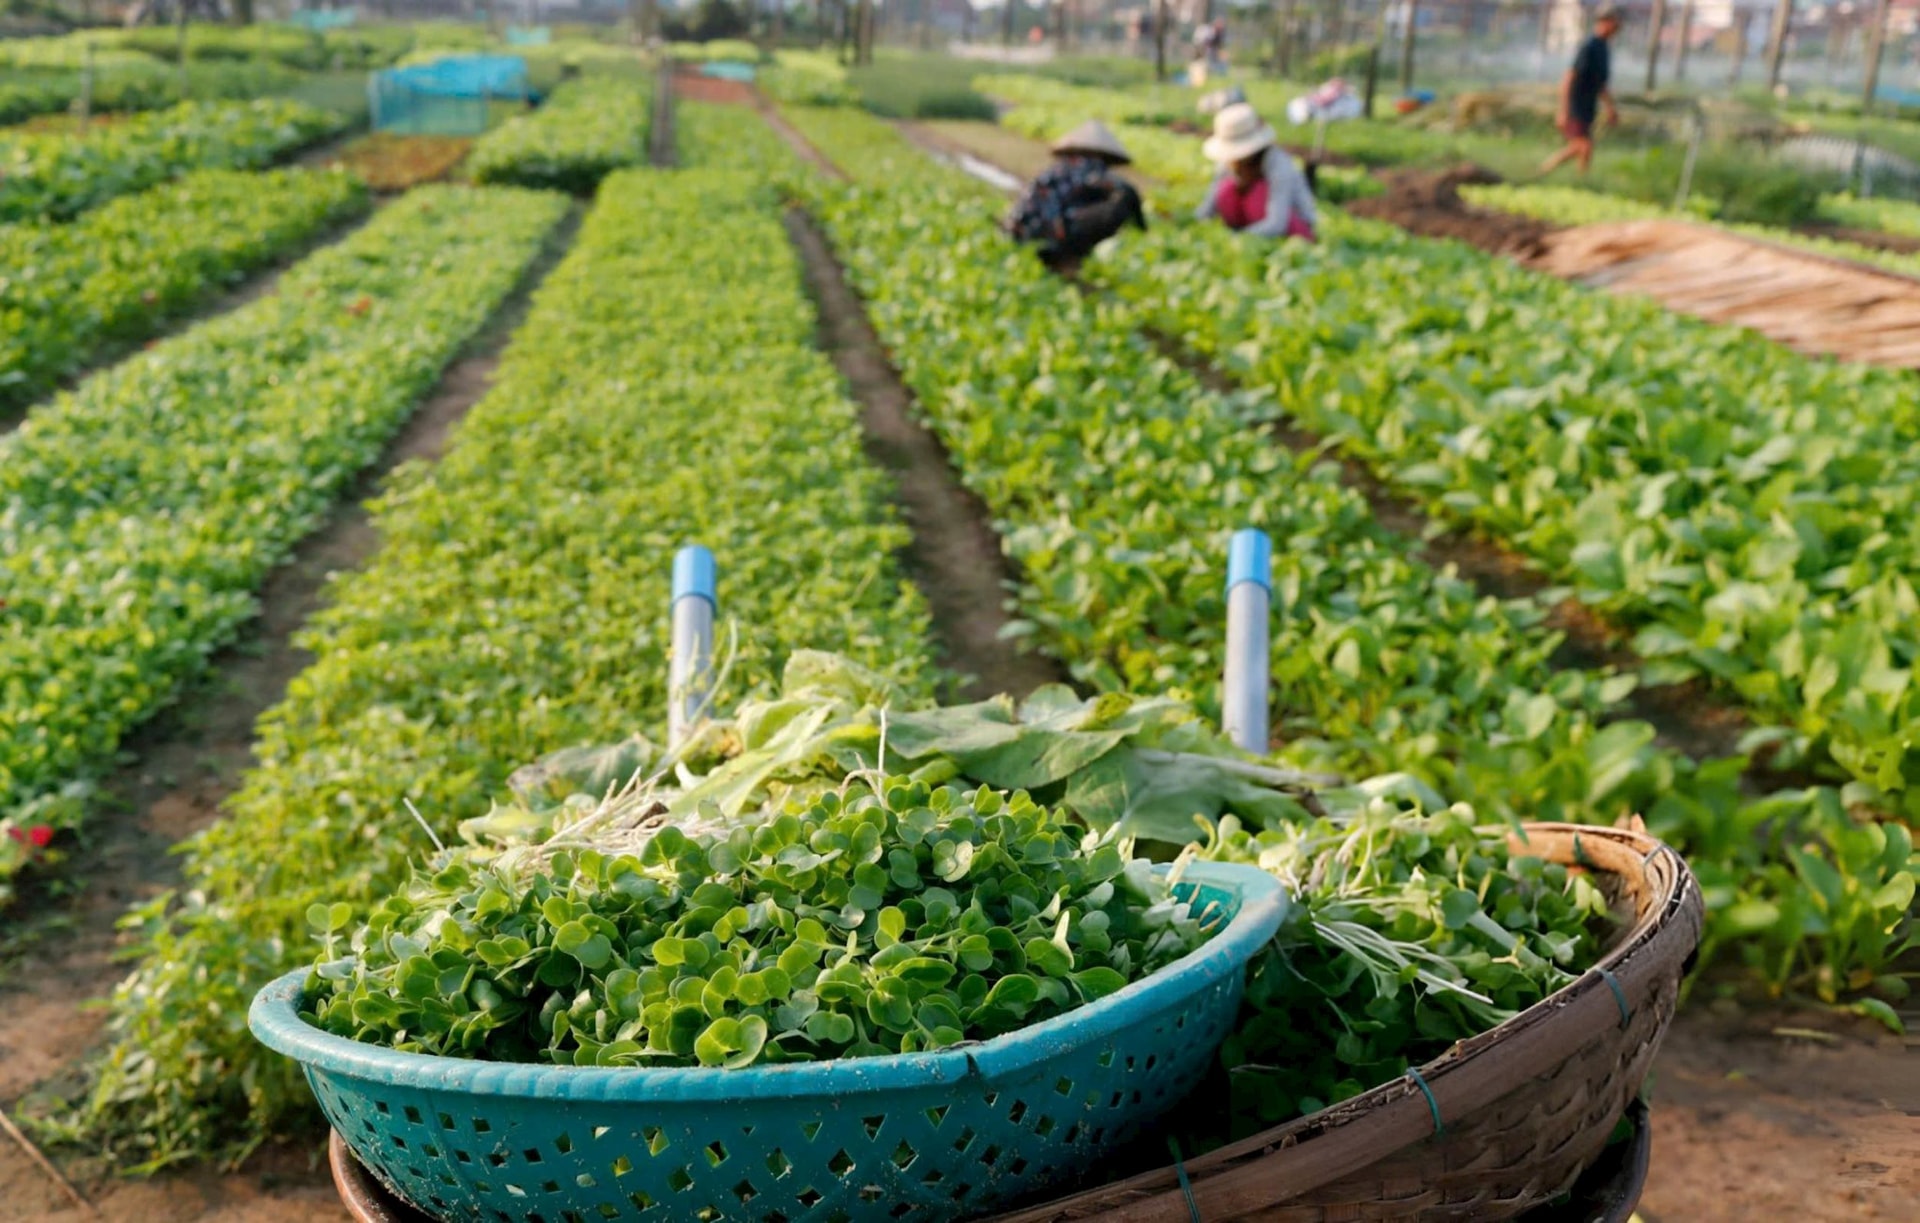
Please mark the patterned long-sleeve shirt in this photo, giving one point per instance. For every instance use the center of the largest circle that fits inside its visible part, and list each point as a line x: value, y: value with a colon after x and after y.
x: 1040, y: 214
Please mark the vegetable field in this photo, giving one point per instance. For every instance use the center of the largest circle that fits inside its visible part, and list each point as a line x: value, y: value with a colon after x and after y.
x: 50, y: 177
x: 1540, y: 554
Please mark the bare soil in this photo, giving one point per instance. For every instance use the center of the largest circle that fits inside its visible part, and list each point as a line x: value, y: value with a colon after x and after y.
x: 1428, y: 203
x: 690, y: 84
x: 1784, y: 1116
x: 62, y: 954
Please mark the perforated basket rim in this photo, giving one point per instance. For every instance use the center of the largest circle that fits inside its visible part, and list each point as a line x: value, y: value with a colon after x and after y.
x: 275, y: 1021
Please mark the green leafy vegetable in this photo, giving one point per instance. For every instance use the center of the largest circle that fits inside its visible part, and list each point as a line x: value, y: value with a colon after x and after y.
x: 118, y: 273
x: 776, y: 939
x: 139, y: 512
x: 52, y: 177
x: 1408, y: 932
x: 586, y: 130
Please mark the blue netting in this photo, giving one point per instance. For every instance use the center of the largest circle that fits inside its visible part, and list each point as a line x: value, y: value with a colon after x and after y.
x: 446, y: 97
x: 529, y: 36
x: 729, y: 70
x: 322, y: 19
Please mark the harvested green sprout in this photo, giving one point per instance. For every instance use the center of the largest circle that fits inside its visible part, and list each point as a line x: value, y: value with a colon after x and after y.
x: 1408, y: 933
x: 907, y: 919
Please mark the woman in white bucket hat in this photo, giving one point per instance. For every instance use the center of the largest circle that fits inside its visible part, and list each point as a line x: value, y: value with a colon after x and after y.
x: 1077, y: 202
x: 1259, y: 190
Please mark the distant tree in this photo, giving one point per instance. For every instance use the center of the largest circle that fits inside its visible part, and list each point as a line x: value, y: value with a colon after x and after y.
x: 708, y: 20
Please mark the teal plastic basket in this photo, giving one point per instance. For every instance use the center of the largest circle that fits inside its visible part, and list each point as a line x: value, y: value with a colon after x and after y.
x: 932, y: 1136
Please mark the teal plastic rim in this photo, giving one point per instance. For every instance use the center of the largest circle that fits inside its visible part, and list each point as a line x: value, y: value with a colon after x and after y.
x: 1262, y: 904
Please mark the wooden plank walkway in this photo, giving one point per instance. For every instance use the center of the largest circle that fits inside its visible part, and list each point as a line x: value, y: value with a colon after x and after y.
x: 1811, y: 303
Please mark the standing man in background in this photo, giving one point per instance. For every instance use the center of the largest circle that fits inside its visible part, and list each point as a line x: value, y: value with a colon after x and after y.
x: 1584, y: 90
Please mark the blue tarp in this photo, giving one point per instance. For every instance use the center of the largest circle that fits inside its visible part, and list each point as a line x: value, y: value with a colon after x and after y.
x: 448, y: 96
x: 322, y: 19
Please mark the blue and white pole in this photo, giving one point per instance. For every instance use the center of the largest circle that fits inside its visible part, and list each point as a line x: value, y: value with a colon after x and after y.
x: 1243, y: 706
x: 690, y: 660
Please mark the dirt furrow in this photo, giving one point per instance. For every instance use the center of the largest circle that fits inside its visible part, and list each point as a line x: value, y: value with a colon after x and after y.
x: 660, y: 150
x: 955, y: 557
x: 62, y: 953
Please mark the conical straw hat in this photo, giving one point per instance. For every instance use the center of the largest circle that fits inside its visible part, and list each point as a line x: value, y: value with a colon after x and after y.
x: 1093, y: 136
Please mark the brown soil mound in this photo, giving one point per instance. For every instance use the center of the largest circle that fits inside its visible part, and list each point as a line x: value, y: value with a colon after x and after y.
x: 692, y: 86
x: 1428, y: 203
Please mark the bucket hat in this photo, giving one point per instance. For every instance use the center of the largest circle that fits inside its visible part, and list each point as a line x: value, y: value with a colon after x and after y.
x: 1093, y: 136
x: 1238, y: 132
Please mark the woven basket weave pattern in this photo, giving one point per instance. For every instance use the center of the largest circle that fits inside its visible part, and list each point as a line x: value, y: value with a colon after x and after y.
x: 1525, y: 1108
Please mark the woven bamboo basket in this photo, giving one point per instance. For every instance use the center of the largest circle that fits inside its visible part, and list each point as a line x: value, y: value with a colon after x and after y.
x: 1526, y: 1108
x: 1521, y: 1110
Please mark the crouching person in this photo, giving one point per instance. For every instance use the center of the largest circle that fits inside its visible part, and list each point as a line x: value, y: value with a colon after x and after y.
x: 1077, y: 202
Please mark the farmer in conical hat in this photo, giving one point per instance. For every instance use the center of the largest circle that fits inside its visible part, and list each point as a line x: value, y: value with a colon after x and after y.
x: 1259, y: 191
x: 1077, y: 202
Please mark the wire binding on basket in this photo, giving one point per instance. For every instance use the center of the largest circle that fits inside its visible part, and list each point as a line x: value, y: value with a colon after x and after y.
x: 1439, y: 1126
x: 1186, y: 1186
x: 1619, y: 995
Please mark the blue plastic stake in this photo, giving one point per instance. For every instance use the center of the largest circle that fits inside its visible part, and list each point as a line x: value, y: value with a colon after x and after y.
x: 690, y: 660
x: 1243, y: 706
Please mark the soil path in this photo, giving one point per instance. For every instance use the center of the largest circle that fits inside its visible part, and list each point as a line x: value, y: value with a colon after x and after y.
x: 1784, y: 1117
x: 799, y: 143
x: 1428, y: 203
x: 660, y: 150
x: 185, y: 763
x: 954, y: 557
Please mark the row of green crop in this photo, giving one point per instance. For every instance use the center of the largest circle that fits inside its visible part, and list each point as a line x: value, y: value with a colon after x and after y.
x: 53, y: 176
x: 714, y: 136
x: 139, y: 513
x: 1748, y: 511
x: 25, y: 93
x: 1901, y: 217
x: 1574, y: 206
x: 1116, y: 477
x: 73, y: 290
x: 589, y: 128
x: 663, y: 391
x: 258, y: 44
